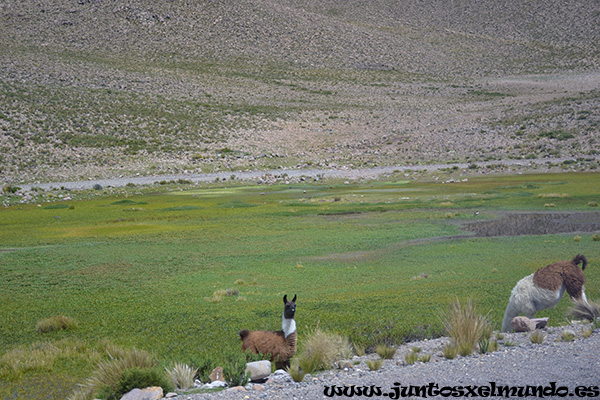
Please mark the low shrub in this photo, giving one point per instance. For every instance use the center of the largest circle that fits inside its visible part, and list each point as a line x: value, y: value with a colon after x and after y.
x: 8, y: 188
x: 234, y: 368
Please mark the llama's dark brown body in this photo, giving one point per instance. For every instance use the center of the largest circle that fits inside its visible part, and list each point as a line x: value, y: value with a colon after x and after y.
x: 553, y: 276
x: 275, y: 343
x: 280, y: 345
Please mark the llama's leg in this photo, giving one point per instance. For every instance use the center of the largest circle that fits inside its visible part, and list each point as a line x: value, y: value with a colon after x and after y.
x: 511, y: 312
x: 583, y: 297
x: 282, y: 364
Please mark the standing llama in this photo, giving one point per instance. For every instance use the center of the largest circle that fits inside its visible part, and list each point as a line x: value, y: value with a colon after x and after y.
x: 281, y: 345
x: 544, y: 289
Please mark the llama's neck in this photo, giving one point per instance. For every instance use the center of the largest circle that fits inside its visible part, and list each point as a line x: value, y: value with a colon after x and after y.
x: 288, y: 326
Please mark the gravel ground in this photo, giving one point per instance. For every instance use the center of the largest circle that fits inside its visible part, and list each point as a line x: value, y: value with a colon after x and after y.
x: 518, y: 362
x: 516, y: 166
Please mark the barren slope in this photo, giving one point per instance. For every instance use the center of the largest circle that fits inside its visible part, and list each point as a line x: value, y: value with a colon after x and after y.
x: 105, y: 88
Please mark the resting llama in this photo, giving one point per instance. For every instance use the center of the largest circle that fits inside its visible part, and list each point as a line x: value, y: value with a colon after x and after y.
x: 281, y: 345
x: 544, y: 289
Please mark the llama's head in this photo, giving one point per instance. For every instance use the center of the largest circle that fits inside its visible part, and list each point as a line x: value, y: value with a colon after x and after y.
x: 290, y: 307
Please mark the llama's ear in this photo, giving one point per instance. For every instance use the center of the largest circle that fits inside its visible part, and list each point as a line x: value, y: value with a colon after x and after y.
x: 294, y: 299
x: 285, y: 299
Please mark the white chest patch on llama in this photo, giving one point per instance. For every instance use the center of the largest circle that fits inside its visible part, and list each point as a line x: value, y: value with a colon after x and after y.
x: 288, y: 326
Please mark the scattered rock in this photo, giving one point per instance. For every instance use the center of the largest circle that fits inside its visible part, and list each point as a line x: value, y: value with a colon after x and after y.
x: 540, y: 323
x: 151, y: 393
x: 216, y: 374
x: 259, y: 370
x: 523, y: 324
x: 213, y: 385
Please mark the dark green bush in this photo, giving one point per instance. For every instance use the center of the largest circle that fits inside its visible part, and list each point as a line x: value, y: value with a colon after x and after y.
x: 234, y: 367
x: 8, y: 188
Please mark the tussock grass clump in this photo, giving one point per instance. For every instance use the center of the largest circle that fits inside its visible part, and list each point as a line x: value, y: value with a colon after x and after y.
x: 385, y: 351
x: 375, y: 365
x: 587, y: 311
x: 359, y: 349
x: 465, y: 326
x: 38, y: 357
x: 567, y: 335
x: 182, y: 375
x: 586, y: 332
x: 136, y: 378
x: 296, y: 372
x: 411, y: 357
x: 218, y: 295
x: 108, y: 373
x: 309, y: 363
x: 41, y: 357
x: 537, y: 337
x: 322, y: 349
x: 450, y: 351
x: 56, y: 323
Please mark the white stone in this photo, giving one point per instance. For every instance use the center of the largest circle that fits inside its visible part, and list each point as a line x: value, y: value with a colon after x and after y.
x: 258, y: 369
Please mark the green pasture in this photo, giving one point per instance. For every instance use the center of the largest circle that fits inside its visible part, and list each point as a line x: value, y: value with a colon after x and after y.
x: 376, y: 261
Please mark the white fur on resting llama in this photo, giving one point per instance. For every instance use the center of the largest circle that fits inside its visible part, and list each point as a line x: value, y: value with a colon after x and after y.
x: 544, y: 289
x: 281, y: 345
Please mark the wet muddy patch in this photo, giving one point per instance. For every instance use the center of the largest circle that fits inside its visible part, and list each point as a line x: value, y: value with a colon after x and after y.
x: 516, y: 224
x: 507, y: 224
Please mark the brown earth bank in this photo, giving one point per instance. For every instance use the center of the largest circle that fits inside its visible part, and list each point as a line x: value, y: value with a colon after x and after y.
x: 101, y: 89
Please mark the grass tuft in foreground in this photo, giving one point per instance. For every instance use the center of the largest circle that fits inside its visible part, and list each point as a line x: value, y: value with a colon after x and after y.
x: 322, y: 349
x: 465, y: 326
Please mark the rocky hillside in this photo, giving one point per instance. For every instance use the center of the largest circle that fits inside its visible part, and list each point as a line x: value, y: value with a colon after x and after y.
x: 104, y: 88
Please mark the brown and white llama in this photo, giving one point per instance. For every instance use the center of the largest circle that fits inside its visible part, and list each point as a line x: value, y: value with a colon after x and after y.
x: 544, y: 289
x: 281, y: 345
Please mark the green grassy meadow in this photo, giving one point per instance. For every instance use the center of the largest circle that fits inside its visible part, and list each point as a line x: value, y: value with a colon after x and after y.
x: 144, y: 270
